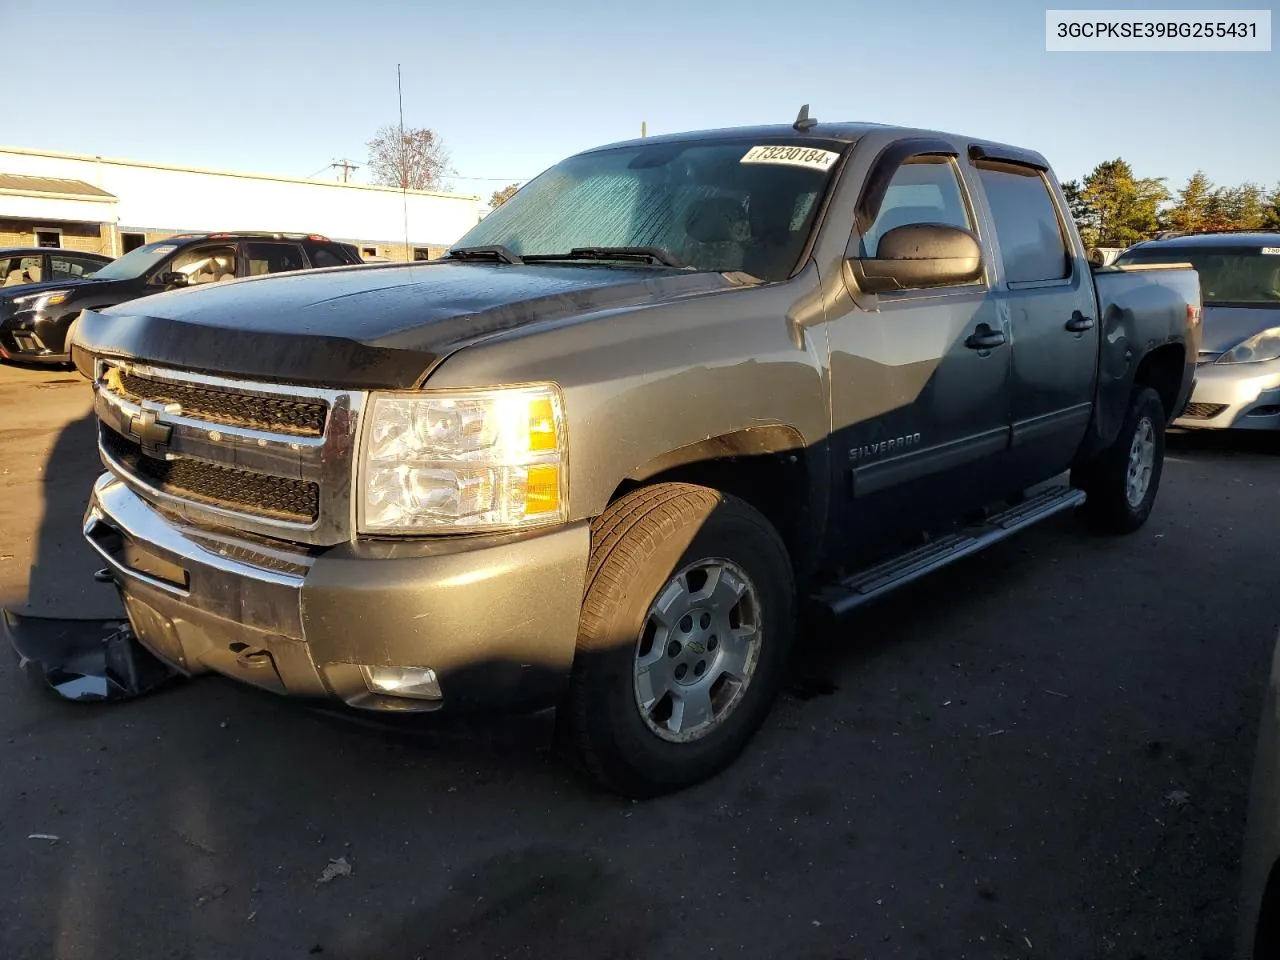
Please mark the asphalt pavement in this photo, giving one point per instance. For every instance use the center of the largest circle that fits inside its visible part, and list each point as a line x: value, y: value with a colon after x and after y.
x: 1041, y: 752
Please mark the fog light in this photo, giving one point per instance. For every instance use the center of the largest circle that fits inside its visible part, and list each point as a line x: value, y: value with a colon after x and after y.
x: 420, y: 683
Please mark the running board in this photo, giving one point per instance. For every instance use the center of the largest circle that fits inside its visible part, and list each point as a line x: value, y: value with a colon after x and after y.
x: 841, y: 597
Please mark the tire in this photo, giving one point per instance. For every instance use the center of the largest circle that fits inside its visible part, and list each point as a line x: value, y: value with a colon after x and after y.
x: 1112, y: 504
x: 696, y: 548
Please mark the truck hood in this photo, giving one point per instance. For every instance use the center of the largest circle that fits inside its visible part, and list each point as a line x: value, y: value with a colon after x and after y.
x: 365, y: 327
x: 1224, y: 327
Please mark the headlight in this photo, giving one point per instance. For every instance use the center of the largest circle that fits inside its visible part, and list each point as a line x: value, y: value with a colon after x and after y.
x: 464, y: 460
x: 38, y: 301
x: 1262, y: 346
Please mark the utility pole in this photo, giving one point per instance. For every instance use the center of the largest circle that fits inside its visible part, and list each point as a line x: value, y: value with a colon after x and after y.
x: 346, y: 165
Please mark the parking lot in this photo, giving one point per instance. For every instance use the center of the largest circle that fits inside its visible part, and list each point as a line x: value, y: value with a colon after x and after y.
x: 1042, y: 751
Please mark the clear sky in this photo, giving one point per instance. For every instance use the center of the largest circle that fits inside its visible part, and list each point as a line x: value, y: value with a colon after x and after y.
x: 285, y: 87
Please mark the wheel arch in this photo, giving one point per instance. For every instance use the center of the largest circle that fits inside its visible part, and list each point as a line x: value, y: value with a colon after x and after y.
x: 1162, y: 369
x: 768, y: 466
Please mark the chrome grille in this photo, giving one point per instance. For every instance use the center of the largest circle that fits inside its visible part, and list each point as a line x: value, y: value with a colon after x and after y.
x: 276, y: 414
x: 257, y: 493
x: 270, y: 459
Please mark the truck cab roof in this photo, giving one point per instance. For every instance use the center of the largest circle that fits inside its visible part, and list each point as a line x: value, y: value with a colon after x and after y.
x: 849, y: 132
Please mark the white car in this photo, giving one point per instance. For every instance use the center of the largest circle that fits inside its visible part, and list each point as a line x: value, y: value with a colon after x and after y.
x: 1238, y: 377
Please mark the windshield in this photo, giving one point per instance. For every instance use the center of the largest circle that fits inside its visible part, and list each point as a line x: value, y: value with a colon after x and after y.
x: 136, y: 262
x: 1242, y: 276
x: 727, y: 205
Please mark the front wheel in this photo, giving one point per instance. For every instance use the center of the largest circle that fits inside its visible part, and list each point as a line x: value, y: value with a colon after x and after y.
x: 1122, y: 482
x: 686, y: 626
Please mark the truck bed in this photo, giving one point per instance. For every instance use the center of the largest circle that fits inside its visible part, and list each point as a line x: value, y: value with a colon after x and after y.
x: 1140, y: 309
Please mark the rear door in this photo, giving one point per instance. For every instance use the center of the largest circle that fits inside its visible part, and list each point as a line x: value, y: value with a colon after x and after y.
x: 1045, y: 289
x: 270, y: 256
x: 920, y: 378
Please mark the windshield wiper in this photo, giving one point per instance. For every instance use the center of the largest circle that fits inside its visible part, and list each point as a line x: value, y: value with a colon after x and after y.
x: 496, y: 253
x: 646, y: 254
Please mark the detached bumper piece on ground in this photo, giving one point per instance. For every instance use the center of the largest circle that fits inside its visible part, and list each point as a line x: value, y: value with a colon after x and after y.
x: 88, y: 660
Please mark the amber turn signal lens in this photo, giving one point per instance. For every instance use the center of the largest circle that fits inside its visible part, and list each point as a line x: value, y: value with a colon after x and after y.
x: 542, y: 490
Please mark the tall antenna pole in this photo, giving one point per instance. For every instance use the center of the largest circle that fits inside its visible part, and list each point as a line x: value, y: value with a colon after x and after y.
x: 404, y: 165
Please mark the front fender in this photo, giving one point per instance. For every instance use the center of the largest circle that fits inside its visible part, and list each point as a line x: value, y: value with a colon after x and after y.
x: 647, y: 387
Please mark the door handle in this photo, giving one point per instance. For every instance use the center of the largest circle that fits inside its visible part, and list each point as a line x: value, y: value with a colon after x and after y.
x: 1079, y: 323
x: 984, y: 338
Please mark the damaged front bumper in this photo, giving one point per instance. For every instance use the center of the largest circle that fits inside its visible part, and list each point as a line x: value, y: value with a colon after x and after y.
x: 494, y: 619
x: 87, y: 660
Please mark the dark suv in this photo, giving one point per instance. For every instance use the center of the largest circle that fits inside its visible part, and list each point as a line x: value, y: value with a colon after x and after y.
x: 36, y: 317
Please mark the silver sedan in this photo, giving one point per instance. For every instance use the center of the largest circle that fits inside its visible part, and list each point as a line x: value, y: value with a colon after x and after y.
x: 1238, y: 377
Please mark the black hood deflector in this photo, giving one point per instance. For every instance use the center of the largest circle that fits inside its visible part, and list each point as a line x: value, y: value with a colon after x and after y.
x: 366, y: 327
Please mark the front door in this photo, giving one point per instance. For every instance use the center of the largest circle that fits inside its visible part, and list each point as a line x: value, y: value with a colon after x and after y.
x: 920, y: 386
x: 206, y: 263
x: 1048, y: 295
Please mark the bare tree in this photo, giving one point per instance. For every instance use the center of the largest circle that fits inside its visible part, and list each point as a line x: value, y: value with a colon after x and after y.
x: 502, y: 196
x: 416, y: 161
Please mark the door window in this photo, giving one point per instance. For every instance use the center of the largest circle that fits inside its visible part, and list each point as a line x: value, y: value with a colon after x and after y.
x: 70, y: 267
x: 923, y: 190
x: 322, y: 257
x: 274, y: 258
x: 1028, y: 228
x: 16, y: 270
x: 205, y: 265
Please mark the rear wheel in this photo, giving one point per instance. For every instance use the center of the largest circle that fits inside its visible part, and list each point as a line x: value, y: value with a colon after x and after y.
x: 1123, y: 481
x: 686, y: 627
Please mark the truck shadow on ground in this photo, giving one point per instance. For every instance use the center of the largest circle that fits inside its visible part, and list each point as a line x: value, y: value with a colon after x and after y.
x: 60, y: 581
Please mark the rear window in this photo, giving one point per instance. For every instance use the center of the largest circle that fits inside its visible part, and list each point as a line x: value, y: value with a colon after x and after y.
x: 273, y: 258
x: 325, y: 257
x: 1236, y: 276
x: 1032, y: 246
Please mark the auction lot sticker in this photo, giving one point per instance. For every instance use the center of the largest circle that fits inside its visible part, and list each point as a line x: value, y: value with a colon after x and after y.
x: 792, y: 157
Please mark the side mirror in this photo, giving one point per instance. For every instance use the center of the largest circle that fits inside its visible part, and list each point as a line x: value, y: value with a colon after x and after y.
x: 918, y: 255
x: 172, y: 279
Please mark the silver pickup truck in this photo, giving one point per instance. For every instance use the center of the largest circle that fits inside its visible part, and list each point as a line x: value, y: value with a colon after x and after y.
x: 598, y: 456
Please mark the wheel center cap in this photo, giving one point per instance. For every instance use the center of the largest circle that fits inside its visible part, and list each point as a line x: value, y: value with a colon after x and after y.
x: 697, y: 647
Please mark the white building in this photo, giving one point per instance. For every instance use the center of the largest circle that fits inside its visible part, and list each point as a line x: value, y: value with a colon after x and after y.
x: 111, y: 206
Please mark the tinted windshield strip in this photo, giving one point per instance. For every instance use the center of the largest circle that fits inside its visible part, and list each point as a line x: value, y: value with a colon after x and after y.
x: 723, y: 205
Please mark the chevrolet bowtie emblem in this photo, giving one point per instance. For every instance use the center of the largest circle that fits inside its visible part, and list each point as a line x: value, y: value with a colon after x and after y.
x: 150, y: 432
